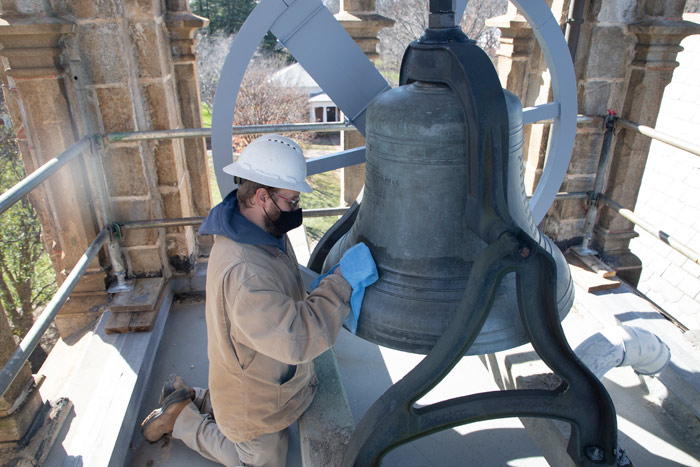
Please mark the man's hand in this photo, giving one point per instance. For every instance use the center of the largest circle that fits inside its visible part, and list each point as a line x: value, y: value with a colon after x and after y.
x: 337, y: 271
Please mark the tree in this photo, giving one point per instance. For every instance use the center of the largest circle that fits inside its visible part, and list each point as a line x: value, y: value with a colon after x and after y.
x: 26, y: 275
x: 225, y: 16
x: 411, y: 18
x: 211, y: 54
x: 264, y: 100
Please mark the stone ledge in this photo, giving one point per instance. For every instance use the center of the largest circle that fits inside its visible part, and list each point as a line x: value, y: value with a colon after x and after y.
x: 109, y: 376
x: 325, y: 428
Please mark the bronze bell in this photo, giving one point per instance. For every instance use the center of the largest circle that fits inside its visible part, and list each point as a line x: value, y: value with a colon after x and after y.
x: 413, y: 218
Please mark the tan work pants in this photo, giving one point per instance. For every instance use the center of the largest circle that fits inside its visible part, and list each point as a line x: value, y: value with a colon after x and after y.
x: 196, y: 427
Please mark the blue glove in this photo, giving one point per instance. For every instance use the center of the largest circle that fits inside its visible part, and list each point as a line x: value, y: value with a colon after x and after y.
x: 358, y: 268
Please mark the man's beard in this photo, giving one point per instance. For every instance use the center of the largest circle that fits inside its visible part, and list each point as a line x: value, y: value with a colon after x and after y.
x: 270, y: 226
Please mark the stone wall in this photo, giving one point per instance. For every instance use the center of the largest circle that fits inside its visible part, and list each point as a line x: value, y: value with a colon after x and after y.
x: 84, y: 67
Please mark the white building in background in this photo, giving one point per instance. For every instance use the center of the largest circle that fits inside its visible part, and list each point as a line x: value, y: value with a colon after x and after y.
x: 321, y: 107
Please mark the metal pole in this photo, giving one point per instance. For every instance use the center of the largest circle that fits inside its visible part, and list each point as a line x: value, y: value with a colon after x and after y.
x: 574, y: 26
x: 30, y: 341
x: 664, y: 138
x: 324, y: 212
x: 655, y: 231
x: 94, y: 161
x: 571, y: 195
x: 236, y: 130
x: 32, y: 180
x: 158, y: 223
x: 183, y: 221
x: 609, y: 123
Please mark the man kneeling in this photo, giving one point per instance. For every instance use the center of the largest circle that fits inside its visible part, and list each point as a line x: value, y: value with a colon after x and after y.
x: 263, y: 329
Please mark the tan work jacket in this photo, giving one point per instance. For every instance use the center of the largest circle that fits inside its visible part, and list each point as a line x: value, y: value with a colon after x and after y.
x: 263, y: 333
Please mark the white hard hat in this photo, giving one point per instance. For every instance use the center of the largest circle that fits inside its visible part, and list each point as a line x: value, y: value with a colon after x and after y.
x: 272, y: 160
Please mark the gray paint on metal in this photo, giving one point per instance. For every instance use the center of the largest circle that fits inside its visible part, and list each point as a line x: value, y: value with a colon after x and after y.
x: 561, y: 69
x: 540, y: 113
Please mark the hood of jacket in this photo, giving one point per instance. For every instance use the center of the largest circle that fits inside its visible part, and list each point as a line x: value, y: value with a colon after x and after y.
x: 225, y: 219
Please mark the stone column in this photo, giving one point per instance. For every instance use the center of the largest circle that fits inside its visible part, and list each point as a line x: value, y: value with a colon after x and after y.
x: 125, y: 52
x: 21, y: 402
x: 182, y: 25
x: 516, y: 48
x: 118, y: 59
x: 37, y: 95
x: 657, y: 45
x: 361, y: 21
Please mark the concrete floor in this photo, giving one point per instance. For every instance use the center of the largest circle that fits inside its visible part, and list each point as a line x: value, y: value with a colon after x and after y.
x: 647, y: 435
x: 367, y: 371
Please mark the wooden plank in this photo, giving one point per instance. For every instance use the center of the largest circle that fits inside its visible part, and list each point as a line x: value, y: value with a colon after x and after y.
x: 594, y: 264
x: 588, y: 280
x: 118, y: 323
x: 142, y: 321
x: 144, y: 297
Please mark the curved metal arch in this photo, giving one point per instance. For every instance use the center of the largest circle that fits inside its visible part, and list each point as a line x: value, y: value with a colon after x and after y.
x: 331, y: 57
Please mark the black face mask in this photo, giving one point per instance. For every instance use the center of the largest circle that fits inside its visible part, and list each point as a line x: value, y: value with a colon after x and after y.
x: 287, y: 221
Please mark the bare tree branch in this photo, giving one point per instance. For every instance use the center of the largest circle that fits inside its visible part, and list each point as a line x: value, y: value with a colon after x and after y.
x: 411, y: 18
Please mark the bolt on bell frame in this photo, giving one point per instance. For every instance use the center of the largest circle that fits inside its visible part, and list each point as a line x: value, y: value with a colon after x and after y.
x: 444, y: 54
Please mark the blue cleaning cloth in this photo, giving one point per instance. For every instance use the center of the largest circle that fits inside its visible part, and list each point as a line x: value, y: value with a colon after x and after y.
x: 358, y: 268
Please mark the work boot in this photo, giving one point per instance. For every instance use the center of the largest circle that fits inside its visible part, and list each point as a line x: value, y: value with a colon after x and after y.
x: 161, y: 421
x: 172, y: 384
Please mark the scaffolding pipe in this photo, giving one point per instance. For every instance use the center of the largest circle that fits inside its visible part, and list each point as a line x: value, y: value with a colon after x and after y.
x: 562, y: 195
x: 236, y: 130
x: 664, y: 138
x: 658, y: 233
x: 574, y: 23
x: 30, y: 341
x: 191, y: 221
x: 129, y: 136
x: 325, y: 212
x: 609, y: 123
x: 159, y: 223
x: 31, y: 181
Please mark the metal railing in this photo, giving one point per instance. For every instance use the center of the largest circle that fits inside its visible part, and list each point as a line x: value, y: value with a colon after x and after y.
x: 595, y: 197
x: 108, y: 234
x: 31, y: 181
